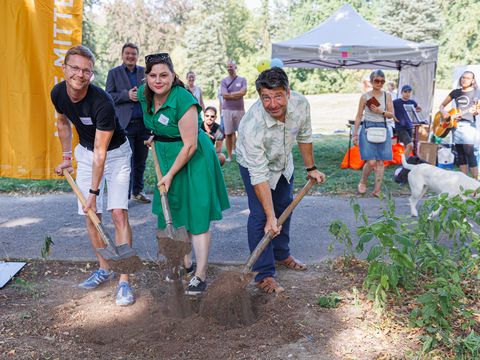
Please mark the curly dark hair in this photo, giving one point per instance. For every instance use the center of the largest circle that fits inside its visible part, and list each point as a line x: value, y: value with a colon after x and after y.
x: 271, y: 79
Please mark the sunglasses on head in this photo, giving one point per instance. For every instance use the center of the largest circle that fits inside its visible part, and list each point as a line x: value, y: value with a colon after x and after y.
x: 379, y: 81
x: 157, y: 57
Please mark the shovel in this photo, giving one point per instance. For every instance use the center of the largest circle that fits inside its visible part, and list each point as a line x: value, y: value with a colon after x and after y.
x: 226, y: 299
x: 121, y: 258
x: 247, y: 273
x: 173, y: 243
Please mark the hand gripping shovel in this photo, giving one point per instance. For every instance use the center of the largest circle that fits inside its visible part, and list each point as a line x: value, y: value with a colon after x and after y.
x: 173, y: 243
x: 121, y: 258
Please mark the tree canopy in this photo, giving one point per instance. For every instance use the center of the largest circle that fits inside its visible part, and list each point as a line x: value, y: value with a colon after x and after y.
x: 203, y: 35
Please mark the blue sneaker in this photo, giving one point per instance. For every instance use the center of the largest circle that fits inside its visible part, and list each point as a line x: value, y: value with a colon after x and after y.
x: 98, y: 277
x: 124, y: 295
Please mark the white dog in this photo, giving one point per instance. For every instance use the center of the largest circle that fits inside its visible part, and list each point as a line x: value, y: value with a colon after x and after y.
x: 425, y: 176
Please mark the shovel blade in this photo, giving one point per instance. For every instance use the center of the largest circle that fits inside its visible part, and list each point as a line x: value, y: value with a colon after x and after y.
x: 246, y: 278
x: 121, y: 259
x: 173, y: 243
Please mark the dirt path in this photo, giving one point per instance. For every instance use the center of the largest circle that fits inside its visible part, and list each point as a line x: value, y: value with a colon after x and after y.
x: 44, y: 316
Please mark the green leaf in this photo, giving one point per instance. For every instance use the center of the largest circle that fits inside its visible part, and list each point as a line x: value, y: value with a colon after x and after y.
x: 426, y: 298
x: 364, y: 238
x: 392, y: 273
x: 374, y: 252
x: 400, y: 258
x: 427, y: 344
x: 384, y: 281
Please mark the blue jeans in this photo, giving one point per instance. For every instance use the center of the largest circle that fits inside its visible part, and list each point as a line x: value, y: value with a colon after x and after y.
x: 137, y: 133
x: 278, y: 249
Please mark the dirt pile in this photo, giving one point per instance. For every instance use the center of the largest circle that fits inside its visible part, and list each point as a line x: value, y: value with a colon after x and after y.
x: 227, y: 301
x: 129, y: 265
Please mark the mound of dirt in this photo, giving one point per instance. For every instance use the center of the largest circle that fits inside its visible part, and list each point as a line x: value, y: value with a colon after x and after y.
x: 227, y: 301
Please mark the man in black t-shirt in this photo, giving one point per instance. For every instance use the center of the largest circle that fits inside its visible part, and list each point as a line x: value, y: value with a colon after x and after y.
x: 212, y: 129
x: 102, y: 155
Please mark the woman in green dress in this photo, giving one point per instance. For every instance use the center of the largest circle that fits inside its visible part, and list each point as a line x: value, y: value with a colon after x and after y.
x: 189, y: 164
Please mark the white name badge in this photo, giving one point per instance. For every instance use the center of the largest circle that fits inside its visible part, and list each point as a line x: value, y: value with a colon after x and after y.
x: 86, y: 121
x: 163, y: 119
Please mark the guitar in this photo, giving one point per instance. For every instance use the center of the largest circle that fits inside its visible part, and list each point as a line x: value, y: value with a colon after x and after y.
x: 443, y: 125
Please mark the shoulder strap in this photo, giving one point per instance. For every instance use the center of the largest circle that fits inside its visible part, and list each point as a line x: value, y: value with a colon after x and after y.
x: 235, y: 78
x: 384, y: 118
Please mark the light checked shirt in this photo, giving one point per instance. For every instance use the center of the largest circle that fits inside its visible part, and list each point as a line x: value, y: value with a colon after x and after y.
x: 264, y: 145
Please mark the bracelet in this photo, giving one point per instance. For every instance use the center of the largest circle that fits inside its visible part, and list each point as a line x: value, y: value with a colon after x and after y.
x: 311, y: 168
x: 67, y: 158
x: 94, y: 192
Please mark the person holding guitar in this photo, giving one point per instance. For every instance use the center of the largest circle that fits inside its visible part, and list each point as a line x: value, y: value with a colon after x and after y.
x: 465, y: 100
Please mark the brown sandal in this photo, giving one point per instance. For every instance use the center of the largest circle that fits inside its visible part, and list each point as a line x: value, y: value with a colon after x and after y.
x: 292, y: 263
x: 269, y: 285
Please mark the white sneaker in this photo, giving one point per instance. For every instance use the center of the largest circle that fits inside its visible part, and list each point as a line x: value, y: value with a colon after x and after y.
x: 228, y: 159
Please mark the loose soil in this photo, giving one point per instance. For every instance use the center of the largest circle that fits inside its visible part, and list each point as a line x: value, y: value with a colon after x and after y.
x: 45, y: 316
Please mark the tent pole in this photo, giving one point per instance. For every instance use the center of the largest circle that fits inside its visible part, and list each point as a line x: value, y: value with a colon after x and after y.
x: 433, y: 94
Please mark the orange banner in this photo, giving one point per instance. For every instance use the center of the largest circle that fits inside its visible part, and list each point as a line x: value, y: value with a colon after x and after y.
x: 36, y: 34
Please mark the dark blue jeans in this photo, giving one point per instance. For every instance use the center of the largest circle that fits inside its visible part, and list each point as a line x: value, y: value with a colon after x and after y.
x: 278, y: 249
x: 137, y: 133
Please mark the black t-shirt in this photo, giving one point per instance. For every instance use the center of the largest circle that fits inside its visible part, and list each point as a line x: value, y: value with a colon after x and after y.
x: 214, y: 131
x: 95, y: 111
x: 465, y: 100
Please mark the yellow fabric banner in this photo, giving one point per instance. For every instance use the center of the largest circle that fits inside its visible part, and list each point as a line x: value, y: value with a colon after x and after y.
x: 36, y: 34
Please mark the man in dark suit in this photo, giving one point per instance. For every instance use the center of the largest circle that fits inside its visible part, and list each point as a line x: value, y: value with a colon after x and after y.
x: 122, y: 85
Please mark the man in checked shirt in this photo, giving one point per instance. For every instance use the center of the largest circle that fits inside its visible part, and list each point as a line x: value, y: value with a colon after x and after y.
x: 266, y: 137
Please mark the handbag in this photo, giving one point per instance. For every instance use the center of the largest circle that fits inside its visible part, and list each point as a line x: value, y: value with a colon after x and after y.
x: 377, y: 135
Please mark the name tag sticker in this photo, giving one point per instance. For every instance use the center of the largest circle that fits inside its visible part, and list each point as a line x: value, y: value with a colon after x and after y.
x: 294, y: 132
x: 163, y: 120
x: 86, y: 121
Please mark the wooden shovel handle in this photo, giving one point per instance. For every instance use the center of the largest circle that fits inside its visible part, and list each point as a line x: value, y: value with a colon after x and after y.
x: 156, y: 163
x: 91, y: 214
x: 163, y: 190
x: 269, y: 235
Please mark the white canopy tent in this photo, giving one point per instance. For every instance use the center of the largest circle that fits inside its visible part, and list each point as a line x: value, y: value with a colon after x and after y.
x: 346, y: 40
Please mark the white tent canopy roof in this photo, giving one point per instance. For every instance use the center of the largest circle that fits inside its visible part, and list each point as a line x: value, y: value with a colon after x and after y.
x: 346, y: 40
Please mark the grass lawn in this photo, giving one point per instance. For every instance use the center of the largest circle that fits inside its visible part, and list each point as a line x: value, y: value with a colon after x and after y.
x: 329, y: 152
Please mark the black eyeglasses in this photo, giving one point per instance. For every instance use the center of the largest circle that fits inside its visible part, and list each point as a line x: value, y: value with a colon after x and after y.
x: 157, y: 57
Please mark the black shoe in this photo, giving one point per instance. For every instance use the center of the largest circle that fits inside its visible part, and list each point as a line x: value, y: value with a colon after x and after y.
x: 196, y: 286
x: 189, y: 272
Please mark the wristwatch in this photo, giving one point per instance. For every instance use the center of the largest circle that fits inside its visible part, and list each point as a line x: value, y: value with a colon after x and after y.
x: 311, y: 168
x: 94, y: 192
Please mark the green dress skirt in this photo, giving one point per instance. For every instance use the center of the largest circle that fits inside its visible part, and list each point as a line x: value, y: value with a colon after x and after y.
x: 197, y: 194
